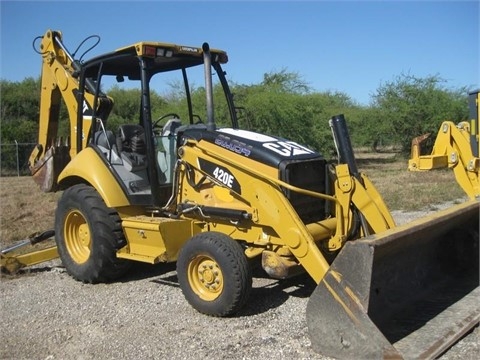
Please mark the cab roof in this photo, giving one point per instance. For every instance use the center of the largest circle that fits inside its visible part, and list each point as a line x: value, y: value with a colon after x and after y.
x: 163, y: 57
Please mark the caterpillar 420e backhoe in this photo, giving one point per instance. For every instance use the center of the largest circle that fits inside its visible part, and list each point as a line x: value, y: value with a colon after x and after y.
x: 214, y: 199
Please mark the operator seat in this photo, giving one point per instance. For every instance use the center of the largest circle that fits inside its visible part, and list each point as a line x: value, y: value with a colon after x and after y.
x: 131, y: 138
x: 132, y: 148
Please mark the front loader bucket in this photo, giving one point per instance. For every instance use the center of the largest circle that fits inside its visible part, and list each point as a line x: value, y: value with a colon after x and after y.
x: 410, y: 292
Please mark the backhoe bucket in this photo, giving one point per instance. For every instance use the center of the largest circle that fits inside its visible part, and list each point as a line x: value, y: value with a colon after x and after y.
x: 410, y: 292
x: 45, y: 170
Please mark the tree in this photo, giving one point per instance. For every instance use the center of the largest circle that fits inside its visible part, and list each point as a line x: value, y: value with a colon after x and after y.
x: 409, y: 106
x: 20, y: 100
x: 281, y: 106
x: 283, y: 81
x: 19, y: 119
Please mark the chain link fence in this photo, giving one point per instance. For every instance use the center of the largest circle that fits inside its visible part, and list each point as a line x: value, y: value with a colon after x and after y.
x: 14, y: 158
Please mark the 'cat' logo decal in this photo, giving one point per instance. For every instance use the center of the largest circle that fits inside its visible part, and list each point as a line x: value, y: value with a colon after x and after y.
x: 287, y: 148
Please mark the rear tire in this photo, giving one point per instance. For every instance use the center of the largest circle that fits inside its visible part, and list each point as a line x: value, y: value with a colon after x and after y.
x: 214, y: 274
x: 88, y: 235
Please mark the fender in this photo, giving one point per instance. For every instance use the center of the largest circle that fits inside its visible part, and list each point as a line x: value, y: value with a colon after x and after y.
x: 89, y: 167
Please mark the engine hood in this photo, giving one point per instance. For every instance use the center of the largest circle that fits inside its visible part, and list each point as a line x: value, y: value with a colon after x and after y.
x: 270, y: 150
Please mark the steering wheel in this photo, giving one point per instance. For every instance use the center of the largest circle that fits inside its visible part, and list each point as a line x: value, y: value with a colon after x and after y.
x: 199, y: 119
x: 157, y: 128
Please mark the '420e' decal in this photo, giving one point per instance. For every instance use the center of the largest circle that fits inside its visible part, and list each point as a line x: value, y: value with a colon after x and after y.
x: 221, y: 174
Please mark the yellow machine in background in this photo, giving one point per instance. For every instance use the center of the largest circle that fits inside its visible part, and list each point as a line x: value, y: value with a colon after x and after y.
x: 457, y: 146
x: 215, y: 199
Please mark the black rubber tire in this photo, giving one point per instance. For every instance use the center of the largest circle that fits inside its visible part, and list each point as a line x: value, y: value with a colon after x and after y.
x: 88, y: 235
x: 208, y: 258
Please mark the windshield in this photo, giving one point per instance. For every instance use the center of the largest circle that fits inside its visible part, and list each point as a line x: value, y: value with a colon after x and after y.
x: 168, y: 95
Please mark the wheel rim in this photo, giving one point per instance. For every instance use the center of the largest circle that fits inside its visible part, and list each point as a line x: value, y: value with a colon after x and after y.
x: 205, y: 277
x: 77, y: 237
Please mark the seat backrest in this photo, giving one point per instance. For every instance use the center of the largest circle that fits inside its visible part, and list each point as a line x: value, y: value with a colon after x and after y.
x: 131, y: 138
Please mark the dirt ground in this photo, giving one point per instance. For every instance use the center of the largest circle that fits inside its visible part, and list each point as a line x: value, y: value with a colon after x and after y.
x: 45, y: 314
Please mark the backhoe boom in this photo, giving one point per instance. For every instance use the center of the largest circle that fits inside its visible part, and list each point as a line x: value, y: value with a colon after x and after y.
x: 456, y: 147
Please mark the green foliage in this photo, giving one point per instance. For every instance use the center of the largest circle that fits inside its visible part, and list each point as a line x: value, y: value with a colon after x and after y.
x: 409, y: 106
x: 20, y: 100
x: 284, y: 81
x: 126, y: 109
x: 283, y: 104
x: 21, y: 130
x: 303, y: 117
x: 19, y: 109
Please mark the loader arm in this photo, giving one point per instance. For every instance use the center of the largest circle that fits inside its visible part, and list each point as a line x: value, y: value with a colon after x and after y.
x: 456, y: 147
x: 354, y: 196
x: 408, y: 292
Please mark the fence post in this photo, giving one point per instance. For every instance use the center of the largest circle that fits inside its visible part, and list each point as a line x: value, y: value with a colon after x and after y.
x: 16, y: 151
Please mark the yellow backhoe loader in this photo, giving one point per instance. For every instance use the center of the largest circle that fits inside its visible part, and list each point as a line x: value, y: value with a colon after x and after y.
x: 214, y: 198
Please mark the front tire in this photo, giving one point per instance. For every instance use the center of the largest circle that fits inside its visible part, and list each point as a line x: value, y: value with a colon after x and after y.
x: 88, y: 235
x: 214, y: 274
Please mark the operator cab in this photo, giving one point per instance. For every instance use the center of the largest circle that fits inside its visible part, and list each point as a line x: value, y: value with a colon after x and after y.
x: 141, y: 148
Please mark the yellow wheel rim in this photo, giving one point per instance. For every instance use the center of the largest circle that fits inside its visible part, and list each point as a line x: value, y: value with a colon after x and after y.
x: 77, y: 237
x: 205, y: 277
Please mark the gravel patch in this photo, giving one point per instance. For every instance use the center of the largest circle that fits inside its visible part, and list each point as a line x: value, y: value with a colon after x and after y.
x: 45, y: 314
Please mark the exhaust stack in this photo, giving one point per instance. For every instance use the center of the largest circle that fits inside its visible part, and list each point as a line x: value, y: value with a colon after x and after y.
x: 207, y: 61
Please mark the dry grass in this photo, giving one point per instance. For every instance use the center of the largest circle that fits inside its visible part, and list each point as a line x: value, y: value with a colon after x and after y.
x: 410, y: 191
x: 25, y: 209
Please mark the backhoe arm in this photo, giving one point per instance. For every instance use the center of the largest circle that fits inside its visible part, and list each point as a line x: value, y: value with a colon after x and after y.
x: 456, y: 147
x: 60, y: 80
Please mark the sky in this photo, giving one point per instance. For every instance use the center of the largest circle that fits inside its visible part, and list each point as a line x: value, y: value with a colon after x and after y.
x: 347, y: 46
